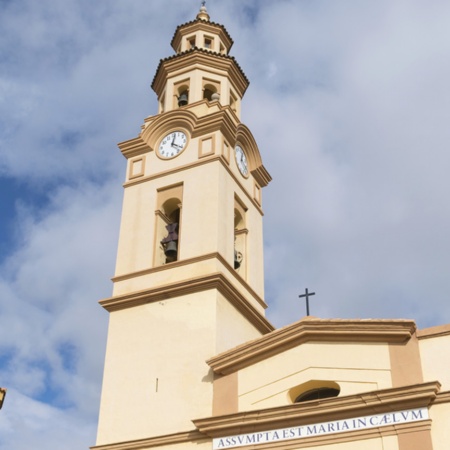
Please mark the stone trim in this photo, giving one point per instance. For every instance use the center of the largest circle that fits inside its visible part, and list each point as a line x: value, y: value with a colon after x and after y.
x: 185, y: 262
x: 433, y: 332
x: 157, y: 441
x: 312, y: 329
x: 351, y: 436
x: 442, y: 397
x: 375, y: 402
x: 213, y: 281
x: 198, y: 57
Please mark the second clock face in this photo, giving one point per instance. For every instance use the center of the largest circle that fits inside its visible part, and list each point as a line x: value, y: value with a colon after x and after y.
x: 241, y: 160
x: 172, y: 144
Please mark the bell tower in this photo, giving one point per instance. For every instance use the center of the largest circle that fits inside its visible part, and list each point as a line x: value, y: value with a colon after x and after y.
x: 189, y: 274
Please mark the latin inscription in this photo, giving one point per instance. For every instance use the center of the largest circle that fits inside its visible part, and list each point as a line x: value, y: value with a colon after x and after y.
x: 337, y: 426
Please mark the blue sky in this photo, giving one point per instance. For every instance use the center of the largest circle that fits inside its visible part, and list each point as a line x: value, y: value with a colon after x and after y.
x: 349, y: 103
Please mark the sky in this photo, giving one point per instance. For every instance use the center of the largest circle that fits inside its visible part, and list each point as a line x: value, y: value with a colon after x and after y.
x: 349, y: 104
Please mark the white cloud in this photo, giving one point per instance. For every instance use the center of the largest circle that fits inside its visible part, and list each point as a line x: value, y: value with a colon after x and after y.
x: 349, y: 105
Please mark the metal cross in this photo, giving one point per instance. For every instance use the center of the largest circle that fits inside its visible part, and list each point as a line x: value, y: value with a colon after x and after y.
x: 307, y: 295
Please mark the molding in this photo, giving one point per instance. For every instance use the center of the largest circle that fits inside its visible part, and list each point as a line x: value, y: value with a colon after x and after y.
x: 375, y: 402
x: 213, y: 281
x: 205, y: 160
x: 312, y: 329
x: 386, y: 400
x: 134, y: 147
x: 169, y: 439
x: 442, y: 397
x: 434, y: 332
x: 197, y: 259
x: 196, y: 58
x: 345, y: 437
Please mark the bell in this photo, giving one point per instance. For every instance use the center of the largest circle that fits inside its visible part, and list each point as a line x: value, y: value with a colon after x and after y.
x: 237, y: 259
x: 182, y: 100
x: 171, y: 251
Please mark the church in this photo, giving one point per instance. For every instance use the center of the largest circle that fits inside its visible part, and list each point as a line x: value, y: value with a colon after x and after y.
x: 191, y: 361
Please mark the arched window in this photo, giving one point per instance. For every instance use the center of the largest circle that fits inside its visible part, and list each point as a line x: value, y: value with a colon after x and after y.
x: 240, y: 237
x: 171, y: 209
x: 211, y: 90
x: 181, y: 93
x: 317, y: 394
x: 314, y: 390
x: 168, y: 225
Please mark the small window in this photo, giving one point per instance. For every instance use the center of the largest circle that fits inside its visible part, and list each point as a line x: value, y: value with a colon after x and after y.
x: 191, y: 42
x: 313, y: 390
x: 317, y: 394
x: 208, y: 43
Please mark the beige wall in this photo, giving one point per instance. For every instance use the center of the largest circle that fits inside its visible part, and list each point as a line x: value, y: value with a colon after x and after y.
x: 156, y: 378
x: 435, y: 355
x: 356, y: 368
x: 440, y: 415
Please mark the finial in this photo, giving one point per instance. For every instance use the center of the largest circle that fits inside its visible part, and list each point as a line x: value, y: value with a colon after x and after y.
x: 203, y: 13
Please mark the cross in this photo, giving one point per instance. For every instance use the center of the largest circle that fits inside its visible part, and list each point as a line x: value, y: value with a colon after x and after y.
x: 307, y: 295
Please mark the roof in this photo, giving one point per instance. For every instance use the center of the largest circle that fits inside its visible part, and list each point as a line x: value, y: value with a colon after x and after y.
x: 198, y: 50
x: 312, y: 329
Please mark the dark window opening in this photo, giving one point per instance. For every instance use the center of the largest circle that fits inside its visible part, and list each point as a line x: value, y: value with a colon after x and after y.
x: 317, y: 394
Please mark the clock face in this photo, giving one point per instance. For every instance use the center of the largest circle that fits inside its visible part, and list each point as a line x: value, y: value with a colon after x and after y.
x: 172, y: 144
x: 241, y: 160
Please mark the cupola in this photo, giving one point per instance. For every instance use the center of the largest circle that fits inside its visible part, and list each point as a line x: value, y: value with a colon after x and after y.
x: 201, y: 69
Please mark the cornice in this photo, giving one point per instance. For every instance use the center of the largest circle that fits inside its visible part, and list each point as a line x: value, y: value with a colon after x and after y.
x: 195, y: 260
x: 220, y: 120
x: 434, y: 332
x: 198, y: 284
x: 194, y: 58
x: 442, y: 397
x: 133, y: 147
x: 374, y: 402
x: 312, y: 329
x: 157, y: 441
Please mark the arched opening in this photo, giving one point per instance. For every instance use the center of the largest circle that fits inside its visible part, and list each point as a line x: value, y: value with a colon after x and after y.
x: 240, y: 237
x: 210, y: 92
x: 181, y: 93
x: 171, y: 210
x: 168, y: 225
x: 317, y: 394
x: 183, y: 98
x: 314, y: 390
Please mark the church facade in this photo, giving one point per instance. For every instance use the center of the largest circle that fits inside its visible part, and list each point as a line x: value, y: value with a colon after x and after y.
x: 191, y: 361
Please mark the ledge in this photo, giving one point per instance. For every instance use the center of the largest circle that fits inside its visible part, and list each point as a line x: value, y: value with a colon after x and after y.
x: 376, y: 402
x: 434, y: 332
x: 212, y: 281
x: 169, y: 439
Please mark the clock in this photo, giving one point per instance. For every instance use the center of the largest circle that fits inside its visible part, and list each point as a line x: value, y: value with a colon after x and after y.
x: 241, y: 160
x: 172, y: 144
